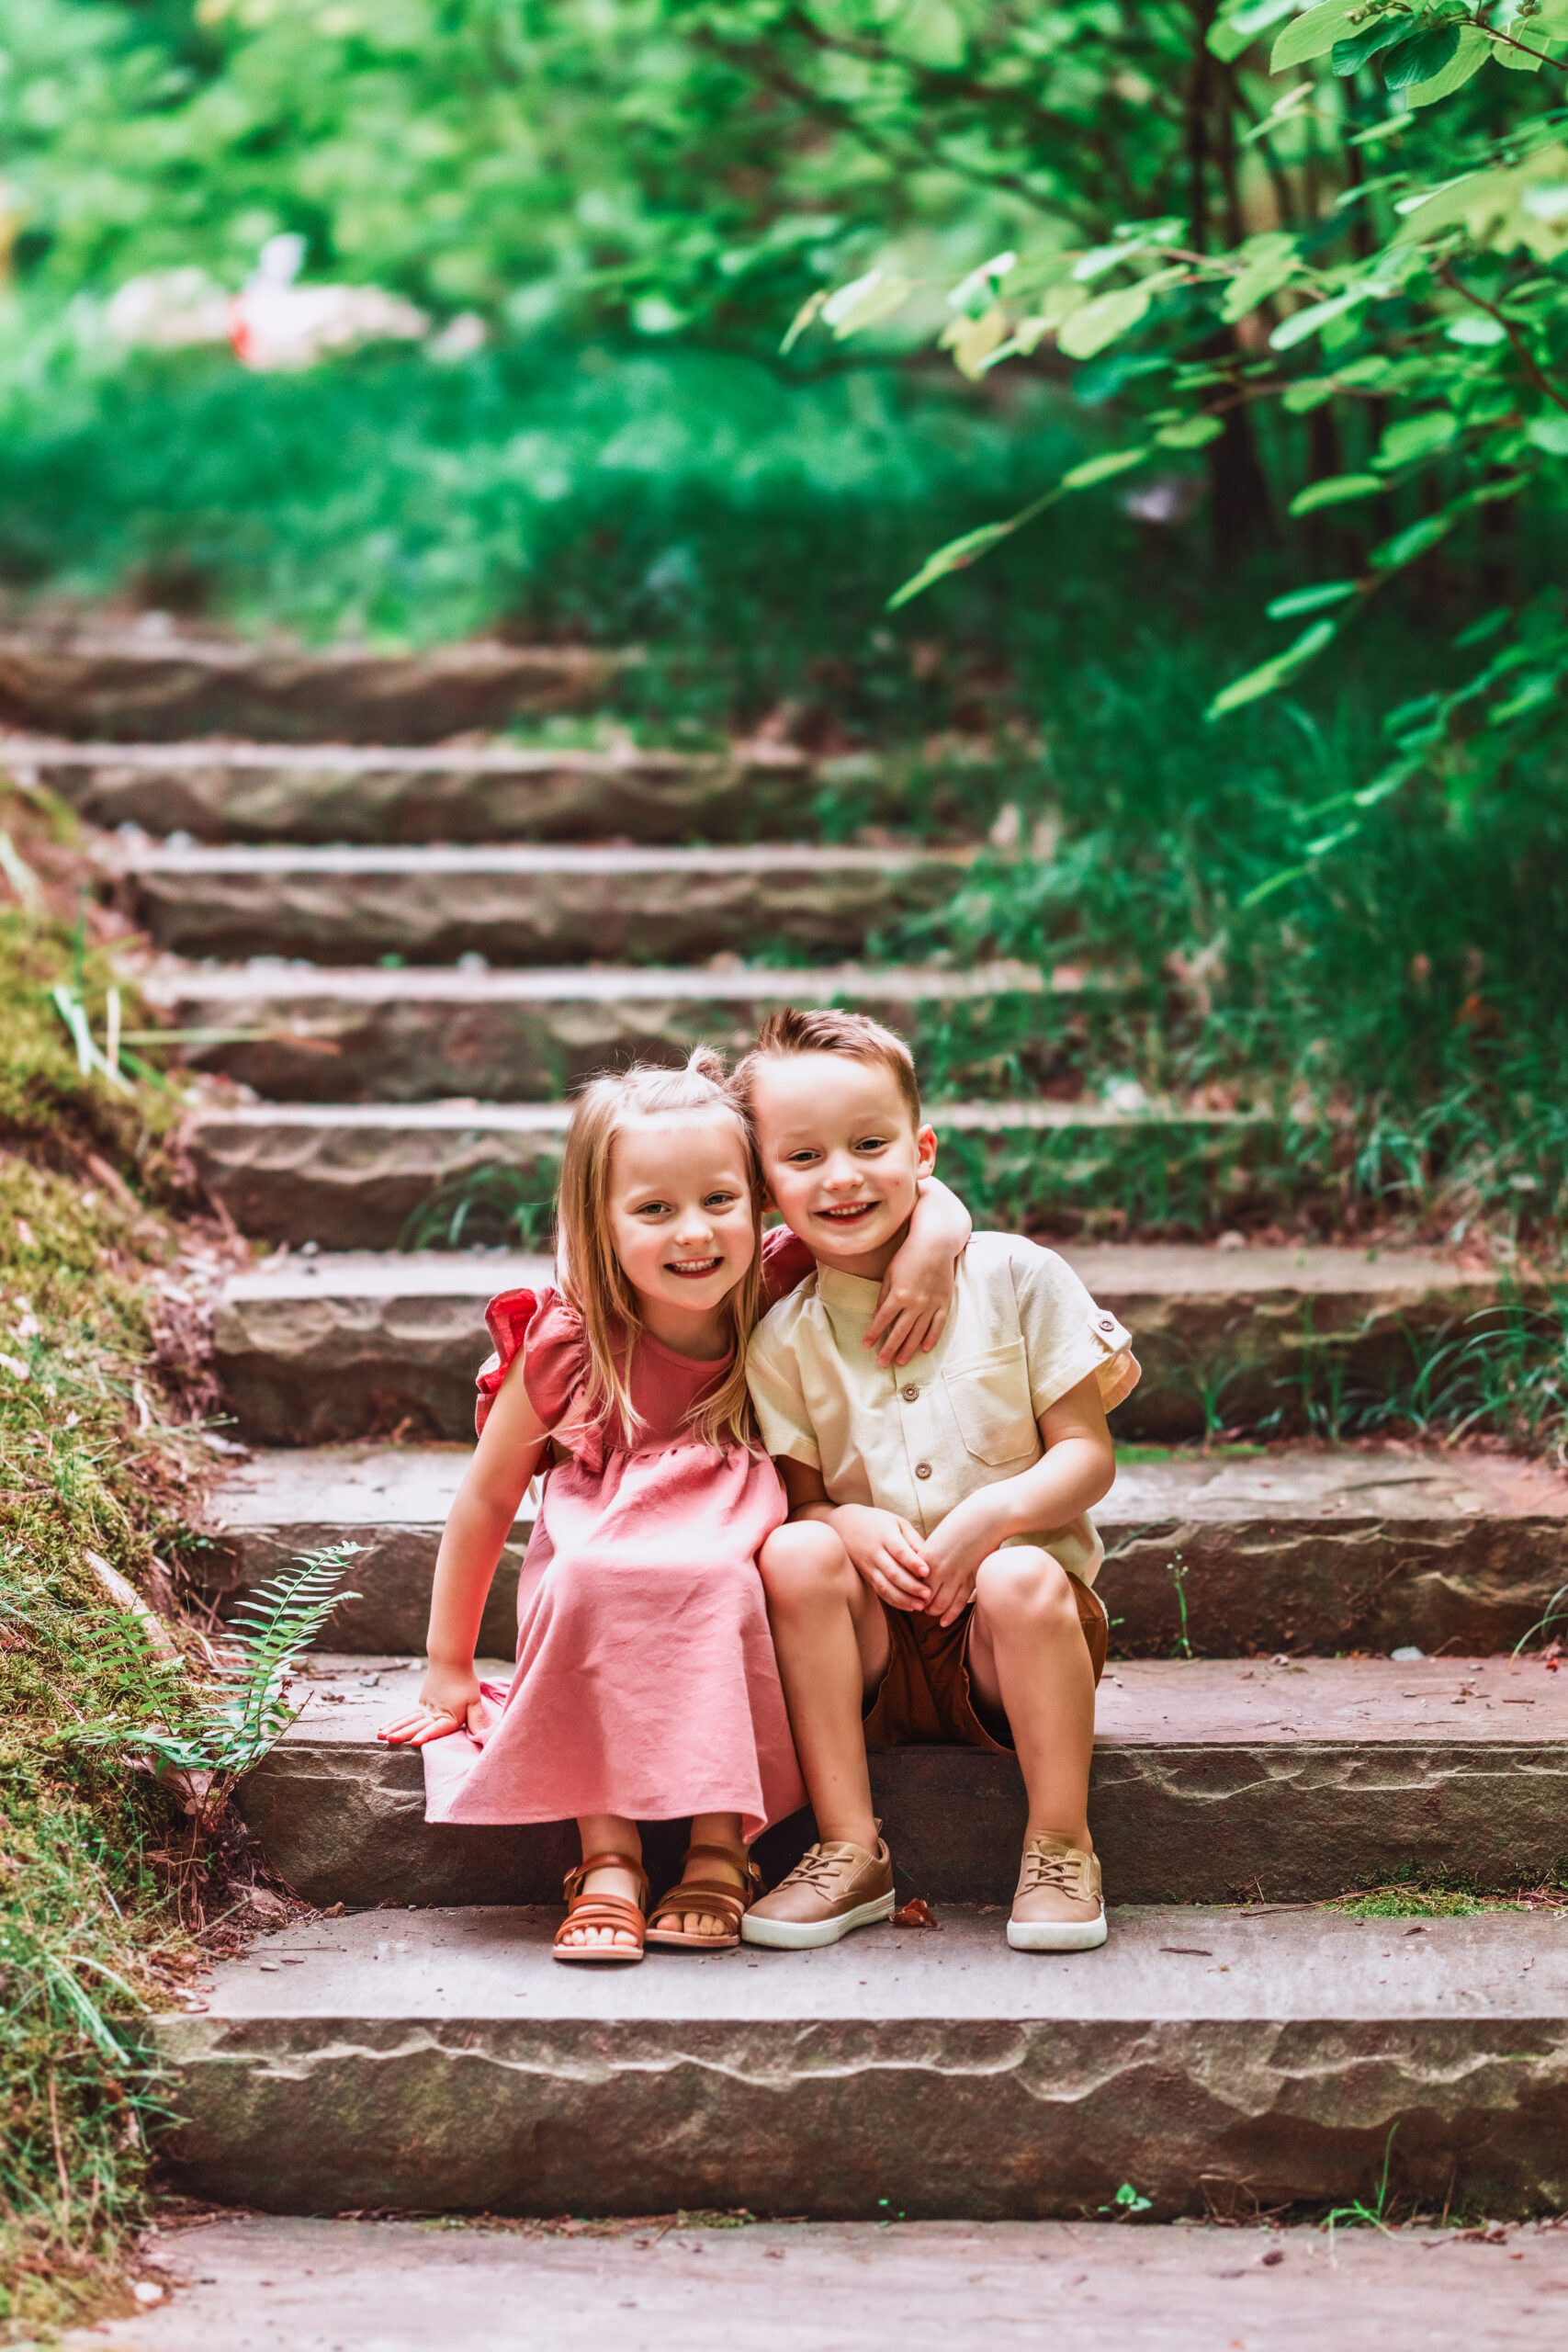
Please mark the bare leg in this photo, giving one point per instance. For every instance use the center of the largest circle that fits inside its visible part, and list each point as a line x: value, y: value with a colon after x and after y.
x: 831, y: 1640
x: 607, y: 1833
x: 709, y: 1829
x: 1027, y: 1655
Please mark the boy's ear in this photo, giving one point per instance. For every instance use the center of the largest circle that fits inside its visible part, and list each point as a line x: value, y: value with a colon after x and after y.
x: 925, y: 1149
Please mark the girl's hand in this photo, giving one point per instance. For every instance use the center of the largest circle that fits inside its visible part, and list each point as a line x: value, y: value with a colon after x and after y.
x: 449, y: 1700
x: 884, y: 1551
x: 917, y: 1289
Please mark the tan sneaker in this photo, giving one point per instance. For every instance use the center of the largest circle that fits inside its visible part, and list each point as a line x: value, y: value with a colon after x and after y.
x: 1058, y: 1905
x: 831, y: 1888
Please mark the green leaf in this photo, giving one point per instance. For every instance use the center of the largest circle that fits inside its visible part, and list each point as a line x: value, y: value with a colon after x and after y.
x: 1351, y: 52
x: 1263, y: 274
x: 1550, y: 432
x: 1410, y: 439
x: 1302, y: 601
x: 1474, y: 331
x: 1421, y: 58
x: 1089, y: 330
x: 803, y: 319
x: 1312, y: 35
x: 1336, y: 491
x: 863, y: 301
x: 1093, y: 470
x: 1270, y: 675
x: 1405, y: 545
x: 1193, y: 433
x: 953, y: 556
x: 1469, y: 55
x: 1302, y: 323
x: 1524, y: 60
x: 1240, y: 28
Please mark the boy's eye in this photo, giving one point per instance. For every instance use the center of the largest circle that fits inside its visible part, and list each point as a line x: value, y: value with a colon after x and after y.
x: 872, y: 1143
x: 720, y: 1200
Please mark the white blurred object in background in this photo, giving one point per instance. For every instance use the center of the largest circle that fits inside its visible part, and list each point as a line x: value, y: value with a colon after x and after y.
x: 275, y: 324
x: 167, y: 309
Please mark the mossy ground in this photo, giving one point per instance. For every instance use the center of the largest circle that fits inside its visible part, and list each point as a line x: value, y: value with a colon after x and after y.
x: 98, y: 1454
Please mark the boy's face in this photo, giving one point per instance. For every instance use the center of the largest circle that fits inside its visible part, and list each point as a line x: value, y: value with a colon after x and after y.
x: 841, y: 1157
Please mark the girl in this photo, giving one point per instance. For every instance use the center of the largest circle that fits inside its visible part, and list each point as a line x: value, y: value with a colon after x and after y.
x: 646, y: 1684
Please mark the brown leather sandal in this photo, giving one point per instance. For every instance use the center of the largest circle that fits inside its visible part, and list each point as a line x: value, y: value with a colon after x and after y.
x: 603, y: 1911
x: 710, y: 1899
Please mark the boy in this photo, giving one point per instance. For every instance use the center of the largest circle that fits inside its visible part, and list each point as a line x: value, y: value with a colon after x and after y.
x: 934, y: 1581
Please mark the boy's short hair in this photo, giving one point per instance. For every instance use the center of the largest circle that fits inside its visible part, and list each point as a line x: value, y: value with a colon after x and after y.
x: 791, y: 1031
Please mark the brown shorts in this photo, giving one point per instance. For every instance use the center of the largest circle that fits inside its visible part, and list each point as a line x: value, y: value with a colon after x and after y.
x: 924, y: 1699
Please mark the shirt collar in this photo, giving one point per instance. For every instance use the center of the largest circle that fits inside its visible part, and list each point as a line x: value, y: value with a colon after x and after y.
x: 846, y: 1294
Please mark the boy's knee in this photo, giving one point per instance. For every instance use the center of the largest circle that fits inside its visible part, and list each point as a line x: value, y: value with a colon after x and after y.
x: 802, y: 1563
x: 1024, y: 1586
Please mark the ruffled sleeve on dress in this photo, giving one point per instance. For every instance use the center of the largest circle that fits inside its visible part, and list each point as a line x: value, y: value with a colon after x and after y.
x: 548, y: 1333
x: 786, y: 1261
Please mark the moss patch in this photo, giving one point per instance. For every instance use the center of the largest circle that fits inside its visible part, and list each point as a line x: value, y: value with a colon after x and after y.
x: 97, y: 1456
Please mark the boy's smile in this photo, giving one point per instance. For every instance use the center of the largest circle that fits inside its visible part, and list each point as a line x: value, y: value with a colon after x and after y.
x: 841, y: 1156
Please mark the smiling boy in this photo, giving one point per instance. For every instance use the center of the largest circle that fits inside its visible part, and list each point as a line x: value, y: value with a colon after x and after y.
x: 934, y: 1581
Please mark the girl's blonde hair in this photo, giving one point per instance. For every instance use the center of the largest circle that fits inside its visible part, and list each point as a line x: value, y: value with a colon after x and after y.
x: 591, y: 1275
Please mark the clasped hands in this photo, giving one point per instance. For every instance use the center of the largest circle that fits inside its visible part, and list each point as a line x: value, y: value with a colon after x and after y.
x: 931, y: 1576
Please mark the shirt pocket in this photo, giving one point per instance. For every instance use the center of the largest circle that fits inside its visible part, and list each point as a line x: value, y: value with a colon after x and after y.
x: 991, y: 1401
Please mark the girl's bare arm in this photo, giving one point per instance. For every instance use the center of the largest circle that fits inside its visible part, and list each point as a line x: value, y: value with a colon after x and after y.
x: 482, y: 1517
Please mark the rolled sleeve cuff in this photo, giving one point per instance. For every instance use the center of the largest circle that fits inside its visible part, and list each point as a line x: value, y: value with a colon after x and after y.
x: 1106, y: 1350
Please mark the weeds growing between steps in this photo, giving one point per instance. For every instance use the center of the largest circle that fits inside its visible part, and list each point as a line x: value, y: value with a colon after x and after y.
x: 100, y: 1459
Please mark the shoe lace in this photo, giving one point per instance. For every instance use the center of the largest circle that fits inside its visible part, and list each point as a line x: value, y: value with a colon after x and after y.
x: 817, y: 1868
x: 1061, y: 1870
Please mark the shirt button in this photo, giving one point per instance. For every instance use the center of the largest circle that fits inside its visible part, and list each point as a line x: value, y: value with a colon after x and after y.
x: 1108, y: 1322
x: 922, y: 1469
x: 910, y: 1394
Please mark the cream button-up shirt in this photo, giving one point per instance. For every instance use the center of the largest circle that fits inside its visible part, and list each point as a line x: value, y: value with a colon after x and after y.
x: 916, y: 1438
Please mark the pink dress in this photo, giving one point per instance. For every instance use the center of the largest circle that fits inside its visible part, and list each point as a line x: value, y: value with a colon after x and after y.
x: 646, y: 1681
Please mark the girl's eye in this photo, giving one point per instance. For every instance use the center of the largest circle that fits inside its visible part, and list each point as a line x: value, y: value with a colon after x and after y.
x: 652, y: 1208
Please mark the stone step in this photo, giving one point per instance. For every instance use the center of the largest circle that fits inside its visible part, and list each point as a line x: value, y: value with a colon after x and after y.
x: 698, y: 2283
x: 1214, y: 1779
x: 495, y: 792
x: 351, y: 1175
x: 525, y: 905
x: 1207, y: 2058
x: 1233, y: 1551
x: 311, y: 1034
x: 110, y: 681
x: 346, y: 1345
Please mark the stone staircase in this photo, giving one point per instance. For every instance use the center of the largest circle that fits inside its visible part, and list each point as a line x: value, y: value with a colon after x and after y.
x: 480, y: 927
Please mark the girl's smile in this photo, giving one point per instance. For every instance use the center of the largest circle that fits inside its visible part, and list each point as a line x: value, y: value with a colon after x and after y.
x: 680, y: 1215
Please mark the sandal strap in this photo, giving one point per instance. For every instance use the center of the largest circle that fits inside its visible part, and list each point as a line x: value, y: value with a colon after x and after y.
x: 738, y: 1857
x: 572, y: 1886
x: 611, y: 1911
x: 705, y: 1897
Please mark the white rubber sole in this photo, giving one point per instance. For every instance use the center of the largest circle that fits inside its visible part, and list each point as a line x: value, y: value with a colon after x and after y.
x: 800, y: 1935
x: 1056, y: 1935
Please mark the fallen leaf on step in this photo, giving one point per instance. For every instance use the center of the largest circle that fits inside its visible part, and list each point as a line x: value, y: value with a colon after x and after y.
x: 916, y: 1913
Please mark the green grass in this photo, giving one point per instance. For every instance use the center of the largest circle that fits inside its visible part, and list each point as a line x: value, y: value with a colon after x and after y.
x: 93, y: 1933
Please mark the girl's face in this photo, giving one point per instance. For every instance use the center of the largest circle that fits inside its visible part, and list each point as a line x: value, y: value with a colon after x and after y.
x: 680, y: 1207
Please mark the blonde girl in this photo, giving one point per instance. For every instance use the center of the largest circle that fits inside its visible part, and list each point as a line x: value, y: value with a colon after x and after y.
x: 646, y: 1686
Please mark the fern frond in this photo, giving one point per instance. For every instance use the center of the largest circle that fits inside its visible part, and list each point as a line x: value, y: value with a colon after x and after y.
x: 240, y: 1720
